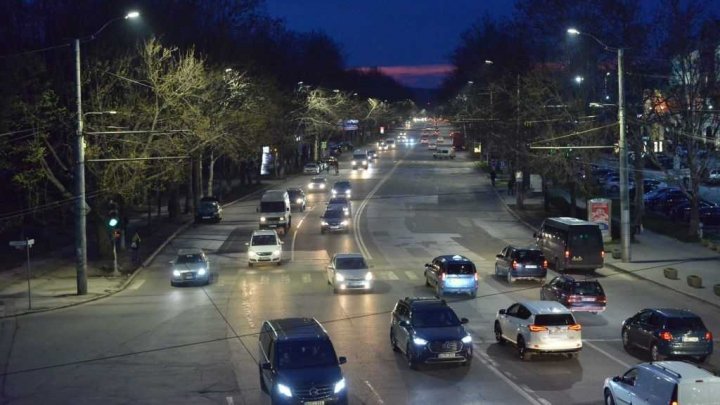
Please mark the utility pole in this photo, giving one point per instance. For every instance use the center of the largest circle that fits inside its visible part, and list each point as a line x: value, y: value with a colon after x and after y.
x: 80, y: 218
x: 624, y: 192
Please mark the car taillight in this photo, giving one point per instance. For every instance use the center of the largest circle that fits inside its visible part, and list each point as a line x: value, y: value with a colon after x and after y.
x: 602, y: 299
x: 567, y: 254
x: 515, y: 264
x: 574, y: 298
x: 575, y: 326
x: 665, y: 335
x: 545, y: 264
x: 537, y: 328
x: 602, y: 254
x: 708, y: 335
x: 476, y: 277
x: 444, y: 275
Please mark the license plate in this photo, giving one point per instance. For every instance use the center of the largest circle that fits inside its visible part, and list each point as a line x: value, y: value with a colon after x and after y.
x: 189, y: 276
x: 272, y: 225
x: 206, y: 217
x: 690, y: 339
x: 446, y: 355
x: 264, y: 259
x: 314, y: 403
x: 335, y: 227
x: 355, y: 284
x: 585, y: 299
x: 531, y: 266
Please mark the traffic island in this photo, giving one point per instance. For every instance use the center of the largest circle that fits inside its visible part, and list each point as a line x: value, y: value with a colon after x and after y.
x: 670, y: 273
x: 694, y: 281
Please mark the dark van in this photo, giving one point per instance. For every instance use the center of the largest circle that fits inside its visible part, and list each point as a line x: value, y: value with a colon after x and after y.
x: 571, y: 244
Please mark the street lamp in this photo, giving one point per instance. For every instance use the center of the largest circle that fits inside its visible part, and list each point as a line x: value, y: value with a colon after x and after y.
x: 624, y: 192
x: 579, y: 79
x: 80, y: 204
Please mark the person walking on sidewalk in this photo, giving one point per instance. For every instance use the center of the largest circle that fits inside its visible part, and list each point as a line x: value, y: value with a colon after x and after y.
x: 493, y: 176
x: 135, y: 247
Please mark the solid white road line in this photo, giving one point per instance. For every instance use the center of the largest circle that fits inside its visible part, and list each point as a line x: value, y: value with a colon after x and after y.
x: 375, y: 393
x: 610, y: 356
x: 137, y: 285
x: 525, y: 393
x: 297, y: 228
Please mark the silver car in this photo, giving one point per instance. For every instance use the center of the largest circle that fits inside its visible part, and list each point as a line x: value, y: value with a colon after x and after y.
x: 349, y: 271
x: 191, y: 266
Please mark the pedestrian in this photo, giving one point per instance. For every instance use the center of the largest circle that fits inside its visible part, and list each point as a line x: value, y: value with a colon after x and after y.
x: 135, y: 247
x: 493, y: 176
x: 511, y: 185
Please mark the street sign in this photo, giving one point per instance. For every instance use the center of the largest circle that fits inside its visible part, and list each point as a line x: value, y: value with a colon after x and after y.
x: 22, y: 243
x: 324, y: 145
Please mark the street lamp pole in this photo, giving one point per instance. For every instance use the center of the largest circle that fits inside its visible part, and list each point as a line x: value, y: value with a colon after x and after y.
x: 622, y: 143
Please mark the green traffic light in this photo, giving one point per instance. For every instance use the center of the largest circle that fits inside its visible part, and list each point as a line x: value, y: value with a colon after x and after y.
x: 113, y: 222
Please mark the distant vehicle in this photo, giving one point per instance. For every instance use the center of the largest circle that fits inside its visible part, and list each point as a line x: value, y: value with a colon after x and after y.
x: 382, y: 146
x: 424, y: 139
x: 334, y: 220
x: 317, y: 184
x: 275, y: 210
x: 571, y: 243
x: 458, y: 140
x: 311, y: 168
x: 662, y: 202
x: 451, y: 274
x: 191, y: 266
x: 515, y: 263
x: 612, y: 183
x: 668, y: 332
x: 372, y: 154
x: 390, y: 142
x: 576, y: 295
x: 444, y: 152
x: 432, y: 145
x: 209, y: 209
x: 293, y: 351
x: 349, y: 271
x: 539, y: 327
x: 297, y: 198
x: 664, y: 382
x: 427, y: 331
x: 341, y: 188
x: 360, y: 160
x: 264, y: 247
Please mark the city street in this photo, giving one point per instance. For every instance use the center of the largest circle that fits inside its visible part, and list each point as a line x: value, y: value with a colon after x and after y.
x: 154, y: 343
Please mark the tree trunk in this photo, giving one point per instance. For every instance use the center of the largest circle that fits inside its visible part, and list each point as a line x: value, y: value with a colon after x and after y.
x: 522, y: 186
x: 189, y: 185
x: 211, y: 174
x: 198, y: 180
x: 174, y: 201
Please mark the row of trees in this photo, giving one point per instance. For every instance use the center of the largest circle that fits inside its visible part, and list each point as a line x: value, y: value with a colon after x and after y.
x: 523, y: 82
x: 164, y: 113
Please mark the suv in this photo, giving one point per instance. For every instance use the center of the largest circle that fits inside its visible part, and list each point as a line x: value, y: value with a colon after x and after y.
x: 311, y: 168
x: 427, y: 330
x: 539, y: 327
x: 264, y: 247
x: 359, y: 160
x: 297, y: 363
x: 191, y: 266
x: 349, y: 271
x: 209, y: 209
x: 583, y: 295
x: 664, y: 382
x: 668, y: 332
x: 451, y: 274
x: 516, y: 263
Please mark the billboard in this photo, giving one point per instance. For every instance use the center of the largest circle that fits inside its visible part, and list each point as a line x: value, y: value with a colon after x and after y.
x: 267, y: 164
x: 600, y: 212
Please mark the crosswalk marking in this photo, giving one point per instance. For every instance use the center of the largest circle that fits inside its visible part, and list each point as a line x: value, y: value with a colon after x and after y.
x: 387, y: 275
x: 411, y: 275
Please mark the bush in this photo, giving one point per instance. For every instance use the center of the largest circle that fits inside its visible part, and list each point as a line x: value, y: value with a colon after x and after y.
x: 482, y: 166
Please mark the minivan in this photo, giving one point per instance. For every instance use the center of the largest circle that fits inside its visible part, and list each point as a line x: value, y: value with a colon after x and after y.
x: 275, y: 210
x: 297, y: 363
x: 571, y: 243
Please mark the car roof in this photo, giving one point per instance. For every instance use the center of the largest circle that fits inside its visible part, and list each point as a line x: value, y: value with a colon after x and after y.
x: 348, y: 255
x: 310, y: 164
x: 190, y: 251
x: 674, y: 312
x: 574, y: 280
x: 267, y: 232
x: 453, y: 258
x: 545, y: 307
x: 297, y: 329
x: 678, y: 369
x: 424, y: 301
x: 342, y: 183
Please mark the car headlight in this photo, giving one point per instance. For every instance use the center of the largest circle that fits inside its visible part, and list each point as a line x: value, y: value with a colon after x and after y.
x: 334, y: 192
x: 262, y: 219
x: 284, y: 390
x: 324, y: 223
x: 276, y: 253
x: 467, y: 339
x: 298, y: 201
x: 176, y: 273
x: 282, y: 218
x: 201, y: 272
x: 252, y: 253
x: 364, y: 162
x: 354, y: 162
x: 368, y: 276
x: 419, y: 341
x: 339, y: 277
x: 310, y: 185
x: 344, y: 223
x: 340, y: 385
x: 322, y: 186
x: 348, y: 192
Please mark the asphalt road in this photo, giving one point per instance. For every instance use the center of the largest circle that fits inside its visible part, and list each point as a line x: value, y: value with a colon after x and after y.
x: 156, y: 344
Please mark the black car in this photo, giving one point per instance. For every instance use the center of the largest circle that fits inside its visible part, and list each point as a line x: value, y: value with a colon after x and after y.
x: 297, y: 198
x: 576, y: 295
x: 668, y: 332
x: 663, y: 202
x: 334, y: 220
x: 708, y: 210
x: 341, y: 188
x: 209, y: 209
x: 427, y: 330
x: 516, y: 263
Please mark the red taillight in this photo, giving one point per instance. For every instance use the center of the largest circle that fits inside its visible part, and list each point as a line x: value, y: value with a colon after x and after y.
x: 567, y: 254
x: 708, y: 335
x: 443, y: 277
x: 602, y: 299
x: 665, y: 335
x: 545, y: 264
x: 574, y: 298
x: 537, y: 328
x: 515, y: 264
x: 575, y: 326
x: 602, y: 254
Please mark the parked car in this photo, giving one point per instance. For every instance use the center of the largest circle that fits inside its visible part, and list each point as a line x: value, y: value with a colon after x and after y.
x: 452, y: 274
x: 297, y: 363
x: 516, y: 263
x: 713, y: 176
x: 539, y: 327
x: 317, y: 184
x: 664, y: 382
x: 311, y: 168
x: 191, y: 266
x: 667, y: 332
x: 612, y: 184
x: 209, y: 209
x: 707, y: 209
x: 576, y: 295
x: 662, y: 202
x: 427, y: 331
x: 264, y: 247
x: 349, y: 271
x: 297, y: 198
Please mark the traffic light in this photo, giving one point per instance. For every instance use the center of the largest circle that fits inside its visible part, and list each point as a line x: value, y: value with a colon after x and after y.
x: 113, y: 215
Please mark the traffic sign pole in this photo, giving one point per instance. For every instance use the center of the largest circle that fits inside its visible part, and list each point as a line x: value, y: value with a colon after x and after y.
x: 27, y: 250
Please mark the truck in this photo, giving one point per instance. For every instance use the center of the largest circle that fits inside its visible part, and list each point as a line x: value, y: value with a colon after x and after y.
x: 275, y: 210
x: 458, y: 140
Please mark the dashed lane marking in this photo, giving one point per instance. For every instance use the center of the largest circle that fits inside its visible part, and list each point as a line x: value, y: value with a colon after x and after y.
x: 527, y: 393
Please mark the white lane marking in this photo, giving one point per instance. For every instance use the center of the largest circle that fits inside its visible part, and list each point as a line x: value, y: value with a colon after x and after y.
x: 377, y: 396
x: 517, y: 388
x: 411, y: 275
x: 137, y: 285
x: 387, y: 275
x: 306, y: 278
x: 295, y: 232
x: 356, y: 215
x: 610, y: 356
x: 230, y: 400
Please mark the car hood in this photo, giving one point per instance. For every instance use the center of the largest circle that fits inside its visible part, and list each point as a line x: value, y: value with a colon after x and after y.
x: 353, y: 274
x: 263, y: 248
x: 308, y: 376
x: 441, y: 333
x: 190, y: 266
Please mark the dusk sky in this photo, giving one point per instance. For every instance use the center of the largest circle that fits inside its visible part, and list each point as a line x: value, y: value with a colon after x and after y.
x: 410, y: 40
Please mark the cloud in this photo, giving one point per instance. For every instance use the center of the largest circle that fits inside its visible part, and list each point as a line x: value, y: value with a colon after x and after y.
x: 428, y: 76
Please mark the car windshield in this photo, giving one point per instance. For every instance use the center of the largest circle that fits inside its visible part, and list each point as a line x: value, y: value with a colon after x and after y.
x: 207, y: 205
x: 529, y: 255
x: 554, y: 319
x: 261, y: 240
x: 587, y: 288
x: 460, y: 268
x: 294, y: 193
x: 361, y: 156
x: 350, y: 263
x: 334, y: 214
x: 317, y: 180
x: 303, y: 354
x: 692, y: 323
x: 435, y: 318
x: 272, y: 206
x: 191, y: 258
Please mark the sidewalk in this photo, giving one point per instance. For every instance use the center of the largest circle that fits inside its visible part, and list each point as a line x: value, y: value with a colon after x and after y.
x: 651, y: 253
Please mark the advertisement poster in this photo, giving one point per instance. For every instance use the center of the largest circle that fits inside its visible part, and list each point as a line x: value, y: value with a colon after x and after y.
x: 267, y: 164
x: 599, y: 212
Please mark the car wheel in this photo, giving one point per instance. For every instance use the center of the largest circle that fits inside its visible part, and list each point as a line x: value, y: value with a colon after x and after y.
x: 279, y: 262
x: 473, y: 294
x: 263, y: 387
x: 497, y: 273
x: 498, y: 334
x: 626, y: 339
x: 412, y: 363
x: 655, y: 353
x: 510, y: 278
x: 609, y: 400
x: 393, y: 342
x: 523, y: 354
x: 250, y: 264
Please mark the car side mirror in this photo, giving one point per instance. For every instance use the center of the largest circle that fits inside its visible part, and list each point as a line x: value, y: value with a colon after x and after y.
x: 330, y: 267
x: 464, y: 321
x: 342, y: 360
x: 404, y: 324
x: 499, y: 256
x: 501, y: 312
x: 617, y: 378
x: 267, y: 366
x: 282, y: 243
